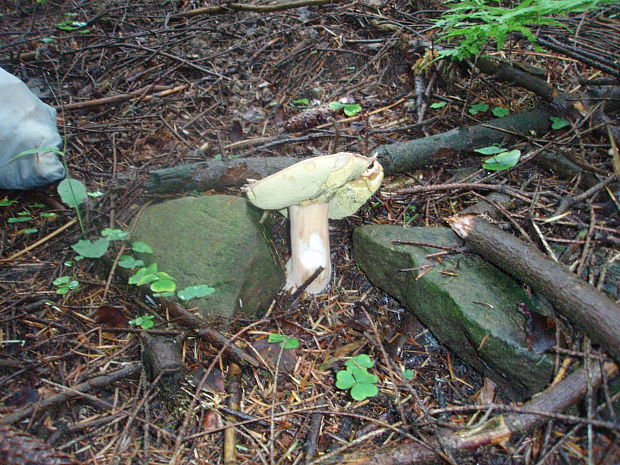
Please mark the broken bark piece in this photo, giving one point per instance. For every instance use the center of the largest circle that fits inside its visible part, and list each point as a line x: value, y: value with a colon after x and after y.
x: 161, y: 355
x: 20, y: 448
x: 582, y: 304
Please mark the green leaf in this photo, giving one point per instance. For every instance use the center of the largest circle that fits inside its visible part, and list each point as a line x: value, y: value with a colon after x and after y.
x: 48, y: 215
x: 163, y: 285
x: 36, y: 205
x: 147, y: 324
x: 490, y: 150
x: 344, y: 380
x: 48, y: 40
x: 361, y: 360
x: 407, y: 374
x: 30, y: 230
x: 286, y: 341
x: 61, y: 280
x: 478, y: 108
x: 21, y: 219
x: 503, y: 161
x: 95, y: 194
x: 91, y: 249
x: 144, y: 321
x: 163, y: 294
x: 138, y: 278
x: 352, y: 109
x: 361, y: 391
x: 6, y: 202
x: 438, y: 104
x: 115, y: 234
x: 127, y: 261
x: 300, y: 102
x: 336, y: 106
x: 72, y: 192
x: 141, y: 247
x: 362, y: 376
x: 500, y: 112
x: 36, y: 150
x: 558, y: 123
x: 193, y: 292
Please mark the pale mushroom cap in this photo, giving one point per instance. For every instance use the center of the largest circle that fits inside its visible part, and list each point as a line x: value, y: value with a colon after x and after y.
x: 345, y: 180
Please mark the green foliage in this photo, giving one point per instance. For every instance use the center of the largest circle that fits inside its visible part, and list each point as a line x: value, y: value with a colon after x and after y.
x: 438, y: 105
x: 490, y: 150
x: 407, y: 374
x: 6, y: 202
x: 356, y: 378
x: 286, y: 342
x: 92, y: 249
x: 141, y: 247
x: 115, y: 234
x: 144, y: 321
x: 72, y: 192
x: 20, y: 219
x: 65, y: 284
x: 558, y: 123
x: 502, y: 161
x: 193, y: 292
x: 478, y: 108
x: 350, y: 109
x: 474, y: 23
x: 410, y: 214
x: 127, y: 261
x: 300, y: 102
x: 500, y: 112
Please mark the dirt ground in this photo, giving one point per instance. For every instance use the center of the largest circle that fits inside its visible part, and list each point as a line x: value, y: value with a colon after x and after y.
x: 139, y: 88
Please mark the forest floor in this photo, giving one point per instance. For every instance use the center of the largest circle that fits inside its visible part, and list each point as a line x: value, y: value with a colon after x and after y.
x: 222, y: 84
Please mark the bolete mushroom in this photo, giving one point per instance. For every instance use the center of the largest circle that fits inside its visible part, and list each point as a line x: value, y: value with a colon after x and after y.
x: 314, y: 190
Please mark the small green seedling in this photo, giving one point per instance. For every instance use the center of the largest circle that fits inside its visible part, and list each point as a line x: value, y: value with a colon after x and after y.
x: 5, y: 202
x: 194, y: 292
x: 478, y: 108
x: 65, y: 284
x: 407, y: 374
x: 20, y: 219
x: 127, y: 261
x: 144, y: 321
x: 286, y: 342
x: 558, y: 123
x: 356, y: 378
x: 350, y: 109
x: 502, y: 161
x: 141, y: 247
x: 92, y: 249
x: 115, y: 234
x: 410, y: 215
x: 300, y: 102
x: 437, y: 105
x: 500, y: 112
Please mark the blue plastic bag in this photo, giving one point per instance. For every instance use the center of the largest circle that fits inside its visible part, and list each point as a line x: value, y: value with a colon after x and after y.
x: 26, y: 123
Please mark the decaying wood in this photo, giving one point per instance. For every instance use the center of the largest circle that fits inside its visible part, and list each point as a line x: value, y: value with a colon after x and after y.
x: 71, y: 393
x: 586, y: 307
x: 395, y: 158
x: 190, y: 320
x: 161, y: 355
x: 497, y: 430
x: 20, y: 448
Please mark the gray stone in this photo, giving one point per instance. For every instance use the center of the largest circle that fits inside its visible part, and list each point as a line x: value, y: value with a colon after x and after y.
x: 467, y: 303
x: 215, y: 240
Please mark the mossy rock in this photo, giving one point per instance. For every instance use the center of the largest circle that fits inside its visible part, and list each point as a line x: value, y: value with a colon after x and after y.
x: 215, y: 240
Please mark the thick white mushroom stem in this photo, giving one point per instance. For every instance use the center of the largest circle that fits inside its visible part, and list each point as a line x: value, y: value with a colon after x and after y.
x: 309, y: 247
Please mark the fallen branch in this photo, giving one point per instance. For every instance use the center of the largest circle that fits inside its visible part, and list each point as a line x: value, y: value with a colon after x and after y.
x: 205, y: 331
x: 71, y: 393
x: 497, y: 430
x: 228, y: 7
x: 121, y: 98
x: 585, y: 306
x: 395, y: 158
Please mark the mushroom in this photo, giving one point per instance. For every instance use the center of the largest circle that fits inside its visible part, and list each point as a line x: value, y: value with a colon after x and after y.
x: 312, y: 191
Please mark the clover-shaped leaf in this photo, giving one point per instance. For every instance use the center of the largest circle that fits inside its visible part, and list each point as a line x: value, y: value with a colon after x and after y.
x: 193, y: 292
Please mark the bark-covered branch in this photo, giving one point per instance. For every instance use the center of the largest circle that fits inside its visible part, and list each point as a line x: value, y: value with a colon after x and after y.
x: 586, y: 307
x: 395, y: 158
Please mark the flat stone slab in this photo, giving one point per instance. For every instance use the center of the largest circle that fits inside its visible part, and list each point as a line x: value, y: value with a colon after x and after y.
x: 214, y: 240
x: 467, y: 303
